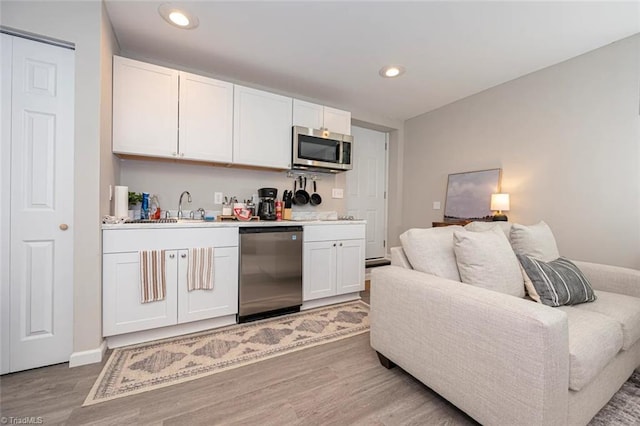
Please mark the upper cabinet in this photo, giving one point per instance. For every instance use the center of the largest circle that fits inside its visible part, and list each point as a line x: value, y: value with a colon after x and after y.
x: 316, y: 116
x: 261, y: 128
x: 146, y: 119
x: 206, y: 119
x: 145, y: 108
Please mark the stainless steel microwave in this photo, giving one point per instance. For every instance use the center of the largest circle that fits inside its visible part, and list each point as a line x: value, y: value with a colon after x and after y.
x: 321, y: 150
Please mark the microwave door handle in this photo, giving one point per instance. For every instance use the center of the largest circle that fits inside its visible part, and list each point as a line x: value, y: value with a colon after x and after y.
x: 340, y: 153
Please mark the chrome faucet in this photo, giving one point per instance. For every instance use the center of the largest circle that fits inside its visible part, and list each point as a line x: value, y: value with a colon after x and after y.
x: 180, y: 203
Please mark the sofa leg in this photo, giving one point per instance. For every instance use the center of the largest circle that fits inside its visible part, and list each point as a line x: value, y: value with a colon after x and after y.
x: 386, y: 362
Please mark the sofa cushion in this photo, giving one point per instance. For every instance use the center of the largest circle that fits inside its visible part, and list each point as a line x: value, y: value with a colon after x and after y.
x: 535, y: 240
x: 430, y: 250
x: 622, y: 308
x: 485, y: 259
x: 555, y: 283
x: 479, y: 226
x: 594, y: 339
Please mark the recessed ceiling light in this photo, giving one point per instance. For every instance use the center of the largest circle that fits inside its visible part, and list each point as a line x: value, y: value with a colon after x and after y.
x: 391, y: 71
x: 178, y: 17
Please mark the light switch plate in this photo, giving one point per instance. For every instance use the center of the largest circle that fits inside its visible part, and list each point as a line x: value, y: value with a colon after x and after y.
x: 217, y: 198
x: 436, y: 205
x: 337, y: 193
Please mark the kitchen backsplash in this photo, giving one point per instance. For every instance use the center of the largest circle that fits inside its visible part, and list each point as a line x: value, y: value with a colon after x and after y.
x: 167, y: 180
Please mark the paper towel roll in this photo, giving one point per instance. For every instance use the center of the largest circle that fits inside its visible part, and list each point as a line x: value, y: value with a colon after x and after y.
x: 121, y: 203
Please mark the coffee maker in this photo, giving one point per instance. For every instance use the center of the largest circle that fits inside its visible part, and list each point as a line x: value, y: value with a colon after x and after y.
x: 267, y: 205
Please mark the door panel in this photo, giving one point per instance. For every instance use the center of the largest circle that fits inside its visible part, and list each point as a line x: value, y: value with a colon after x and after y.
x: 123, y: 310
x: 366, y: 187
x: 41, y: 181
x: 319, y: 270
x: 222, y: 300
x: 350, y: 266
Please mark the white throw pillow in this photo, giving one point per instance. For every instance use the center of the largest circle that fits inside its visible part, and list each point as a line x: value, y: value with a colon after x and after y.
x: 536, y: 241
x: 430, y: 250
x: 478, y: 226
x: 485, y: 259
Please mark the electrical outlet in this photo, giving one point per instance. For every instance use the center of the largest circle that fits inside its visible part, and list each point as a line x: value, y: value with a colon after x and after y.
x: 217, y: 198
x: 337, y: 193
x: 436, y: 205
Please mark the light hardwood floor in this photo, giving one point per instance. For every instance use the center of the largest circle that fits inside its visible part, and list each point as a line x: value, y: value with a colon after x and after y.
x: 339, y: 383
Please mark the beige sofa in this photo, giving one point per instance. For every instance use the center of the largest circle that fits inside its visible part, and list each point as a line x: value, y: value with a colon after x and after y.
x: 506, y: 360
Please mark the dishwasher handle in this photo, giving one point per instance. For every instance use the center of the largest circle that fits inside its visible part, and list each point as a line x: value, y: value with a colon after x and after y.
x: 269, y: 229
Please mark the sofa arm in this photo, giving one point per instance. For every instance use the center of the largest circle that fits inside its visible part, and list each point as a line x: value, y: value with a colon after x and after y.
x: 399, y: 258
x: 501, y: 359
x: 611, y: 278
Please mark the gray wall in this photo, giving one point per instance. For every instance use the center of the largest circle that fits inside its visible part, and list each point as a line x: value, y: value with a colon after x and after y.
x: 568, y: 140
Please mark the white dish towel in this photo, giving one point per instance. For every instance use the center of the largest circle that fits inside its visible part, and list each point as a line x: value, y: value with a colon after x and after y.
x: 152, y: 276
x: 200, y: 273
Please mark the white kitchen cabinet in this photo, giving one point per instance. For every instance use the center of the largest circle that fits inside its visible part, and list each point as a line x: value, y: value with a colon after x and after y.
x: 332, y: 265
x: 205, y: 119
x: 203, y: 304
x: 262, y: 124
x: 145, y: 108
x: 148, y: 122
x: 123, y: 311
x: 316, y: 116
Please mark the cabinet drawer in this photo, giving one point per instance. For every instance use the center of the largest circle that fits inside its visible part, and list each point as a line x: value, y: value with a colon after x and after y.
x: 127, y: 240
x: 334, y: 232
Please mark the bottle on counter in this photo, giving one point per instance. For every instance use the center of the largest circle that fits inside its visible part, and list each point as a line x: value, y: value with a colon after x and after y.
x: 278, y: 210
x: 144, y: 212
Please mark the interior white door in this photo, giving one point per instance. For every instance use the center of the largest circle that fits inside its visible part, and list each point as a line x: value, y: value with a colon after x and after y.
x: 366, y: 187
x: 41, y: 142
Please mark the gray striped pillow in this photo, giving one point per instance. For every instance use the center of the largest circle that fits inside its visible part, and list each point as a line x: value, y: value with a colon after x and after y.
x: 555, y: 283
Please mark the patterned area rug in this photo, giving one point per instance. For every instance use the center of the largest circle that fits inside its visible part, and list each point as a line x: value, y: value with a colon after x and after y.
x: 624, y: 408
x: 140, y: 368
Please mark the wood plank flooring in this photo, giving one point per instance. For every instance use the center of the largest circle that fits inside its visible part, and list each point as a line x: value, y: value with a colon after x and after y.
x: 339, y: 383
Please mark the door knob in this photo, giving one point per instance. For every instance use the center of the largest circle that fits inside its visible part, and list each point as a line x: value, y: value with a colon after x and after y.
x: 64, y: 226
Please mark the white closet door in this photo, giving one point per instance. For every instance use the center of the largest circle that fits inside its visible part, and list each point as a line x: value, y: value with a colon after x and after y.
x: 41, y: 188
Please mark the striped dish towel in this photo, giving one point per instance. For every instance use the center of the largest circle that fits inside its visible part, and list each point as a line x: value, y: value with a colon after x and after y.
x: 152, y: 276
x: 200, y: 272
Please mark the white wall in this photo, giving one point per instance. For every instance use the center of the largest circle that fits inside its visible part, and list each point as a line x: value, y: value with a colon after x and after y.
x: 79, y: 23
x: 169, y: 179
x: 568, y: 140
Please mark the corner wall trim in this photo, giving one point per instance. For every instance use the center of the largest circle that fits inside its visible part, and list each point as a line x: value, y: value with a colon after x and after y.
x: 88, y: 357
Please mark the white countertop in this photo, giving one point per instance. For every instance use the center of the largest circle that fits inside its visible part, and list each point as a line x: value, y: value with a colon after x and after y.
x: 228, y: 224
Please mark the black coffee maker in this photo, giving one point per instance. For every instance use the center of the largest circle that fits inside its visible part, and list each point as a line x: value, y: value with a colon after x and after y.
x: 267, y: 205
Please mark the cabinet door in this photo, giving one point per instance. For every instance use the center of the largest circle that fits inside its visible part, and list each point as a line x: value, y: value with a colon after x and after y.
x: 337, y: 121
x: 306, y: 114
x: 123, y: 311
x: 350, y: 266
x: 145, y: 109
x: 319, y: 270
x: 206, y: 119
x: 222, y: 300
x: 261, y: 128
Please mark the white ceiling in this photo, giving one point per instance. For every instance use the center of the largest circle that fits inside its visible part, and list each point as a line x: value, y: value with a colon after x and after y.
x: 331, y: 52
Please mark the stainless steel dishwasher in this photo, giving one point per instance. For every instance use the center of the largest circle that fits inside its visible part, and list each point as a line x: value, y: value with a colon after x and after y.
x: 270, y: 271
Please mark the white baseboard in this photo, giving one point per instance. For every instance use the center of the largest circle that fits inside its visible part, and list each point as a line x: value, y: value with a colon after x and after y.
x: 88, y: 357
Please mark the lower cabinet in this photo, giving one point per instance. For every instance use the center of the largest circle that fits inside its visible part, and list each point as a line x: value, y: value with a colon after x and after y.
x: 123, y: 311
x: 333, y: 267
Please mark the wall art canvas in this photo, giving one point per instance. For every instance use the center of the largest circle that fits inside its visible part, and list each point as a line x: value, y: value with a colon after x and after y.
x: 469, y: 194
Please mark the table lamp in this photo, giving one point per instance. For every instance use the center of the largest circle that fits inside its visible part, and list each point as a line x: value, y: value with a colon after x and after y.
x: 500, y: 203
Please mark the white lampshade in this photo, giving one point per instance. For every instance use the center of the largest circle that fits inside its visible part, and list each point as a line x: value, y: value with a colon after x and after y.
x: 500, y: 202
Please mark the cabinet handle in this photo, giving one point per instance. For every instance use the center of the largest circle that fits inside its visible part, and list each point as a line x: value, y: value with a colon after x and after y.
x: 174, y: 153
x: 340, y: 244
x: 334, y: 244
x: 171, y: 256
x: 64, y: 226
x: 182, y: 154
x: 183, y: 255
